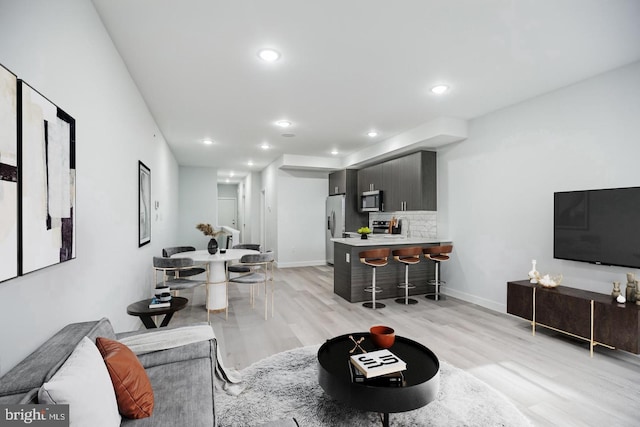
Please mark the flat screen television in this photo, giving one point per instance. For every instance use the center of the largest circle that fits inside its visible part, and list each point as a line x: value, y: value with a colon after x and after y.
x: 598, y: 226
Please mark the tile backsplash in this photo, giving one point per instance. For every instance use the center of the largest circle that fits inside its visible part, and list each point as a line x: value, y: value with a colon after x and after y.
x: 421, y: 223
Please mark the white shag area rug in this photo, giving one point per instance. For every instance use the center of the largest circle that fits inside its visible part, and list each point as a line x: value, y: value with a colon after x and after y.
x: 285, y: 385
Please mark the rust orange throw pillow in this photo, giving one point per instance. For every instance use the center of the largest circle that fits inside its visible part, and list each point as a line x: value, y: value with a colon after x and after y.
x: 130, y: 381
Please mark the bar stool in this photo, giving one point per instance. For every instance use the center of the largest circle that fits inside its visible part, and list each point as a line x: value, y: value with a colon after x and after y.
x: 407, y: 256
x: 437, y: 254
x: 374, y: 258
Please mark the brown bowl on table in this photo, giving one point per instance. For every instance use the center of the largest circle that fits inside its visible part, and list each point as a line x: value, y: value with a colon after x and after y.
x: 382, y: 336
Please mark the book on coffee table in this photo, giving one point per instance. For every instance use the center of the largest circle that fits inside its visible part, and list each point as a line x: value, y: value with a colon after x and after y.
x: 394, y: 379
x: 377, y: 363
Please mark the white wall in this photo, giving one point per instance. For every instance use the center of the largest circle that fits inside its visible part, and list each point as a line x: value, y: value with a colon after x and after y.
x: 269, y: 179
x: 301, y: 217
x: 229, y: 191
x: 249, y: 194
x: 61, y: 49
x: 495, y: 190
x: 198, y: 204
x: 295, y: 209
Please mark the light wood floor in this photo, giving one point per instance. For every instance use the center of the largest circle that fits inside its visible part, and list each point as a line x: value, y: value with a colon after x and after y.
x: 549, y: 377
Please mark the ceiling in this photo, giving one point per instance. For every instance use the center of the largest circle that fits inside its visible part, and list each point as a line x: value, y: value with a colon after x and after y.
x: 350, y: 66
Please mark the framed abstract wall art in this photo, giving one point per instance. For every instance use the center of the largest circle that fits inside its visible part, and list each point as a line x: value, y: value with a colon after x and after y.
x: 47, y: 179
x: 144, y: 204
x: 8, y: 174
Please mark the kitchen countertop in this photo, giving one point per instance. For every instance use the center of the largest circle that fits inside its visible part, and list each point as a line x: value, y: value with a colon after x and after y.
x: 387, y: 240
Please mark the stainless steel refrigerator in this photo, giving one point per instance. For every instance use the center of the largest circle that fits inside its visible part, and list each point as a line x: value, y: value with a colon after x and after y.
x: 335, y: 222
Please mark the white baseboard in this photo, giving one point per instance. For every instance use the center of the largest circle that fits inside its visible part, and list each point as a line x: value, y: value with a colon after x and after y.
x: 483, y: 302
x: 301, y: 264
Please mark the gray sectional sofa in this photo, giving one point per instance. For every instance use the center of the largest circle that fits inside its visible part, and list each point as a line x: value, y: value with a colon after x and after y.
x: 182, y: 378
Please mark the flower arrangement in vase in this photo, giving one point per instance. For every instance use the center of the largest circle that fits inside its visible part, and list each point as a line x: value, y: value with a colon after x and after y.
x: 208, y: 230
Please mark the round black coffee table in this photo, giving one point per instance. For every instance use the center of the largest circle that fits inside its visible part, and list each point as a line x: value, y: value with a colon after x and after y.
x: 422, y: 376
x: 142, y: 310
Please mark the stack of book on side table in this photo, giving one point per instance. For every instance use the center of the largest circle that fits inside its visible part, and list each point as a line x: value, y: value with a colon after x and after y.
x: 156, y: 303
x: 380, y: 367
x: 162, y: 297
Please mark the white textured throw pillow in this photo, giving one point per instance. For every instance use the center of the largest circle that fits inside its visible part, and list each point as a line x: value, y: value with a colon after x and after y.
x: 83, y: 382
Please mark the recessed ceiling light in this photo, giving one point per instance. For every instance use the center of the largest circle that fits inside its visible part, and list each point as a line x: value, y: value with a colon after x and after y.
x: 372, y: 134
x: 207, y: 142
x: 250, y: 163
x: 227, y: 180
x: 269, y: 55
x: 440, y: 89
x: 334, y: 152
x: 283, y: 123
x: 264, y: 146
x: 231, y: 174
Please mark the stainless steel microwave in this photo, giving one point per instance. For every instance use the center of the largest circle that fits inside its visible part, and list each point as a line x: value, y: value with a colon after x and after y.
x: 371, y: 201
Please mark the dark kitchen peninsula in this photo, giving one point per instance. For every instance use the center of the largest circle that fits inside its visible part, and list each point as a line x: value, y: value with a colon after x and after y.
x: 350, y: 277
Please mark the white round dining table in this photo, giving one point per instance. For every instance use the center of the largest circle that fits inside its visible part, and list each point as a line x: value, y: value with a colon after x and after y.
x: 217, y: 285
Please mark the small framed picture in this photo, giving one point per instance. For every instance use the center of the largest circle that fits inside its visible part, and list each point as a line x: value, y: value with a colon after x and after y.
x: 144, y: 204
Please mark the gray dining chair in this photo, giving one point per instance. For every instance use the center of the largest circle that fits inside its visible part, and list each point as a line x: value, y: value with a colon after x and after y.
x: 187, y: 272
x: 171, y: 270
x: 237, y: 268
x: 260, y: 272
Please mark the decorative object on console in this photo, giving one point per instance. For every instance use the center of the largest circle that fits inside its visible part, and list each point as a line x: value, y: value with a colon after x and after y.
x: 621, y: 299
x: 364, y: 231
x: 632, y: 287
x: 533, y: 274
x: 208, y: 230
x: 382, y: 336
x: 549, y: 281
x: 616, y: 290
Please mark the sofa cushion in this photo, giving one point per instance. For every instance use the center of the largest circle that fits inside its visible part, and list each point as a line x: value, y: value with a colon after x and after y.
x: 133, y: 389
x: 83, y: 383
x: 183, y: 395
x: 40, y: 365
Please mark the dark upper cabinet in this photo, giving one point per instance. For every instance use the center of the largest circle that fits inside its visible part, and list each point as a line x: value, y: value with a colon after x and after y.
x: 371, y: 178
x: 338, y: 182
x: 410, y: 182
x: 419, y: 182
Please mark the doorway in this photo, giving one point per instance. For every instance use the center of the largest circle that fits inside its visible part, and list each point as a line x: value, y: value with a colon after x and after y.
x: 228, y: 212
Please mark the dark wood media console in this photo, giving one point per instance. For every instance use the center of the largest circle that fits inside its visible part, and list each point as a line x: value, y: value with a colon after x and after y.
x: 589, y: 316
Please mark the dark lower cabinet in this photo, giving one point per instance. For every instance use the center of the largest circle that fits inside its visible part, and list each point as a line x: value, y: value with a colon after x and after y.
x: 617, y: 327
x: 553, y: 308
x: 587, y: 315
x: 351, y: 277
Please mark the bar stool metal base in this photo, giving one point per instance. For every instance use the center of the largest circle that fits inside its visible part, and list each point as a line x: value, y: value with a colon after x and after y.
x: 437, y: 295
x: 370, y: 305
x: 406, y: 301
